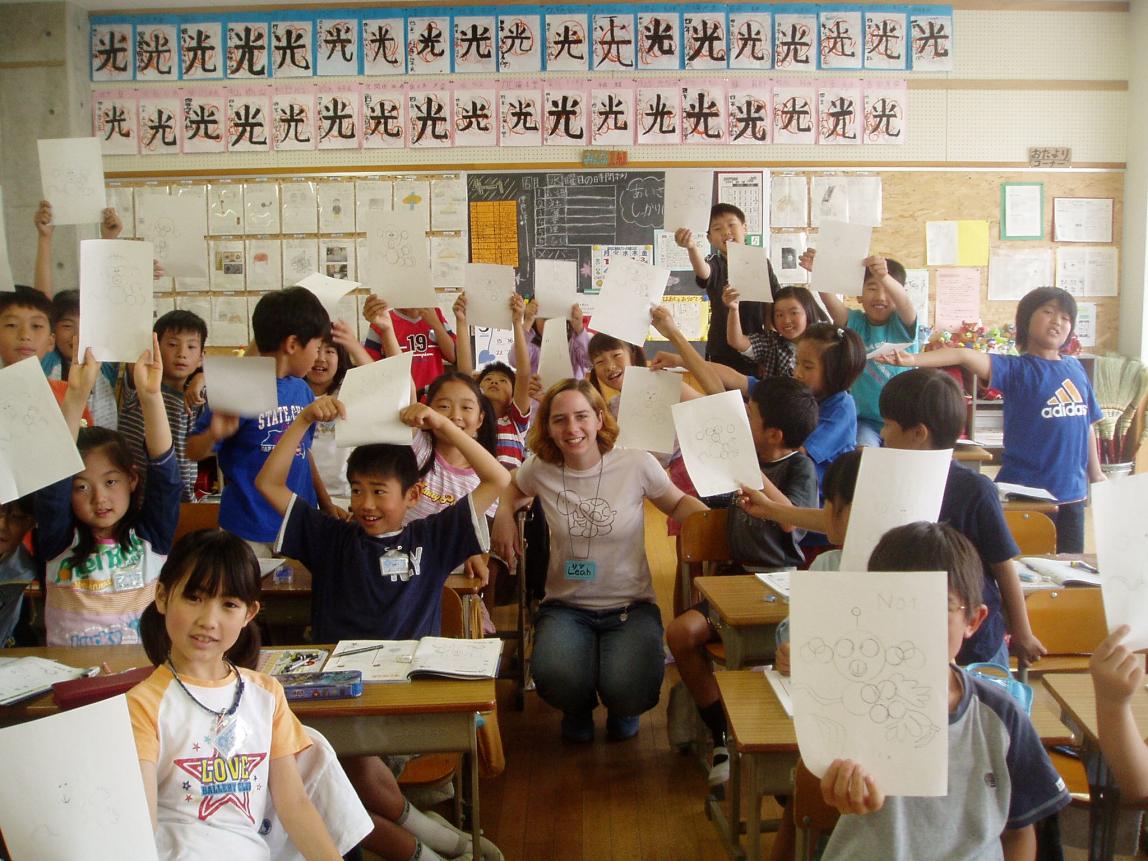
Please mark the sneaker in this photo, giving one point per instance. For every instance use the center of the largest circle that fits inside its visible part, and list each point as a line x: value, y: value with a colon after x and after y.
x: 578, y: 728
x: 719, y: 770
x: 620, y: 728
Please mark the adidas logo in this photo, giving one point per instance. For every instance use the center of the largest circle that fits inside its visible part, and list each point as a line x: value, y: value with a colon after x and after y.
x: 1066, y: 403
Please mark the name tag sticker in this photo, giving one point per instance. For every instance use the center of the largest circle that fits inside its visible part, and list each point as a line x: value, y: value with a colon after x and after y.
x: 581, y: 569
x: 395, y: 566
x: 123, y: 581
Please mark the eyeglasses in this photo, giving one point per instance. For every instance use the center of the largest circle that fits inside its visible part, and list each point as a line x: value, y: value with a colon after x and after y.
x: 957, y: 608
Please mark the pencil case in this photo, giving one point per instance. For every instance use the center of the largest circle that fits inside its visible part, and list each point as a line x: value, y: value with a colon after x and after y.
x: 75, y: 693
x: 323, y: 686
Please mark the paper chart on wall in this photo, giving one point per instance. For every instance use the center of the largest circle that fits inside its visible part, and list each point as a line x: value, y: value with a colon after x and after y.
x: 785, y: 252
x: 716, y: 443
x: 1014, y: 272
x: 894, y: 487
x: 448, y: 203
x: 488, y: 288
x: 225, y: 209
x: 264, y: 264
x: 555, y: 287
x: 116, y: 296
x: 36, y: 447
x: 374, y: 395
x: 645, y: 411
x: 327, y: 290
x: 1082, y: 219
x: 448, y: 261
x: 749, y: 272
x: 839, y: 266
x: 372, y: 195
x: 228, y: 321
x: 870, y: 675
x: 300, y: 207
x: 72, y: 179
x: 630, y: 289
x: 554, y: 363
x: 917, y: 286
x: 300, y: 258
x: 1088, y: 271
x: 669, y: 254
x: 261, y: 208
x: 413, y: 196
x: 336, y: 201
x: 177, y: 229
x: 7, y: 283
x: 242, y: 386
x: 788, y: 201
x: 1121, y: 547
x: 687, y: 200
x: 64, y: 797
x: 958, y: 297
x: 397, y: 266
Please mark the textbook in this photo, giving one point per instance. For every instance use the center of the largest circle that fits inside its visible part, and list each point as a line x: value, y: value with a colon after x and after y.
x: 1019, y: 491
x: 404, y: 660
x: 778, y: 581
x: 1061, y: 573
x: 290, y: 662
x: 22, y: 678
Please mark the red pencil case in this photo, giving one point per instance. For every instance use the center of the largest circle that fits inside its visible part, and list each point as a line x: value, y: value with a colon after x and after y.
x: 83, y: 692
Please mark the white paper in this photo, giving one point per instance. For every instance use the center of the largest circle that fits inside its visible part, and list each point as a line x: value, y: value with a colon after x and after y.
x: 645, y: 410
x: 870, y: 675
x: 941, y: 243
x: 894, y: 487
x: 7, y: 283
x: 116, y: 298
x: 242, y: 386
x: 176, y: 226
x: 261, y: 208
x: 886, y: 349
x: 917, y: 286
x: 488, y: 288
x: 300, y: 258
x: 554, y: 363
x: 448, y: 256
x: 1082, y: 219
x: 555, y: 287
x: 264, y: 264
x: 228, y: 265
x: 72, y: 179
x: 749, y: 272
x: 228, y: 321
x: 688, y: 198
x: 839, y: 266
x: 1088, y: 271
x: 1014, y: 272
x: 64, y: 797
x: 336, y: 207
x: 36, y: 448
x: 372, y: 195
x: 777, y: 581
x: 397, y: 267
x: 448, y: 203
x: 374, y: 395
x: 782, y: 688
x: 328, y: 290
x: 668, y: 253
x: 1121, y: 547
x: 1022, y: 211
x: 387, y: 660
x: 1085, y: 328
x: 300, y: 207
x: 785, y: 254
x: 789, y: 201
x: 413, y: 196
x: 716, y: 443
x: 225, y: 209
x: 631, y: 288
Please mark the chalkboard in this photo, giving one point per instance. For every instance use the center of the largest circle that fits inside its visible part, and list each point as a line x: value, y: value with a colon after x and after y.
x: 562, y: 215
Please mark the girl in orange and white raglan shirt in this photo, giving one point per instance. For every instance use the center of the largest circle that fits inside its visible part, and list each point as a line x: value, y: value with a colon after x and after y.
x: 216, y: 742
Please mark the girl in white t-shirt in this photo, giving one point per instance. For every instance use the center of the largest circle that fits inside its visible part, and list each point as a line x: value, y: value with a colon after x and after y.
x: 598, y: 634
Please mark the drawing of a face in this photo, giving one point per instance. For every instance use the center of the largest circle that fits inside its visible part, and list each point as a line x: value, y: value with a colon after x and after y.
x: 859, y: 655
x: 716, y: 441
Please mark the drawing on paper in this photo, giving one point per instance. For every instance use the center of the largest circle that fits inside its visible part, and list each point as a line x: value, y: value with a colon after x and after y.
x: 65, y: 182
x: 120, y: 282
x: 718, y: 440
x: 20, y: 416
x: 397, y: 249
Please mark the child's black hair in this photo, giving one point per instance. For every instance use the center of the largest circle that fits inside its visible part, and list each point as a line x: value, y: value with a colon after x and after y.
x: 116, y: 448
x: 602, y: 343
x: 813, y: 312
x: 487, y: 433
x: 926, y: 546
x: 840, y: 479
x: 497, y: 368
x: 65, y: 303
x: 28, y: 297
x: 383, y: 461
x: 842, y: 357
x: 178, y: 322
x: 929, y: 397
x: 788, y: 405
x: 896, y: 270
x: 720, y: 209
x: 215, y: 562
x: 1032, y: 300
x: 342, y: 362
x: 282, y: 313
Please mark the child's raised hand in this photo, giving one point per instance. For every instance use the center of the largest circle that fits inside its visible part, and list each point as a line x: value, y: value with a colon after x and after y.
x: 576, y: 318
x: 754, y: 503
x: 730, y: 297
x: 422, y: 417
x: 899, y: 358
x: 684, y: 237
x: 663, y: 320
x: 530, y: 314
x: 846, y: 786
x: 805, y: 261
x: 1117, y: 672
x: 377, y: 313
x: 82, y: 383
x: 148, y: 371
x: 518, y: 309
x: 324, y: 408
x: 878, y: 266
x: 110, y: 224
x: 459, y: 309
x: 343, y: 335
x: 663, y: 360
x: 43, y: 219
x: 535, y: 389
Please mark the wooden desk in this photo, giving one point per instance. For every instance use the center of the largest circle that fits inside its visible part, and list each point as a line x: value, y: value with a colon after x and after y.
x: 425, y: 716
x: 745, y: 613
x: 1077, y: 699
x: 972, y: 456
x: 1034, y: 505
x: 765, y: 743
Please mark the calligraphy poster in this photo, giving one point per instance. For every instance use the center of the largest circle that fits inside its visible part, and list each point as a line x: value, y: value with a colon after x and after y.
x: 111, y: 52
x: 839, y: 112
x: 659, y: 113
x: 474, y: 44
x: 564, y: 115
x: 384, y: 46
x: 200, y: 50
x: 705, y: 40
x: 428, y: 45
x: 292, y: 49
x: 384, y: 115
x: 337, y: 46
x: 749, y: 119
x: 794, y: 40
x: 428, y: 118
x: 750, y: 38
x: 704, y: 112
x: 338, y: 119
x: 794, y: 115
x: 156, y: 52
x: 932, y: 42
x: 520, y: 114
x: 567, y: 42
x: 248, y: 115
x: 659, y: 40
x: 520, y: 42
x: 158, y: 123
x: 247, y: 49
x: 885, y: 46
x: 294, y: 116
x: 476, y: 115
x: 886, y: 103
x: 612, y: 114
x: 115, y: 121
x: 842, y: 40
x: 613, y: 34
x: 204, y: 120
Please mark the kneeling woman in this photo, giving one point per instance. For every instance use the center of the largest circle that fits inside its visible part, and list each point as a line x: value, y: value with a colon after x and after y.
x: 598, y: 634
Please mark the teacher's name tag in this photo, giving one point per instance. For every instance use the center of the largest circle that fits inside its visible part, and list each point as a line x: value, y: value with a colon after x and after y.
x: 581, y: 569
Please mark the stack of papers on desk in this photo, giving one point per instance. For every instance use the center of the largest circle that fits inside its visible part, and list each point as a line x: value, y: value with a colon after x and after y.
x: 778, y: 581
x: 404, y: 660
x: 22, y: 678
x: 1058, y: 572
x: 781, y: 688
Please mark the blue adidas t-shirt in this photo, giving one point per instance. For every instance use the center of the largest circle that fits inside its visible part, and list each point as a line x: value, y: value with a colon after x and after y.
x: 243, y: 510
x: 1049, y: 408
x: 866, y: 390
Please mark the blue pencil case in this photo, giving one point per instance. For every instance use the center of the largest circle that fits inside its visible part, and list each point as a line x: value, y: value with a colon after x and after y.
x: 323, y: 686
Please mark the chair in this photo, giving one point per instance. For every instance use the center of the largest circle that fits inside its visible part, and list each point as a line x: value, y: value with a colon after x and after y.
x: 196, y: 515
x: 1070, y: 623
x: 702, y: 540
x: 812, y: 817
x: 1033, y: 532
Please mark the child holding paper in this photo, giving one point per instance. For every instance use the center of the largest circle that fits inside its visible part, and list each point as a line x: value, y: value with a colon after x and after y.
x: 325, y: 378
x: 782, y: 413
x: 1000, y: 781
x: 775, y: 349
x: 289, y: 325
x: 420, y: 331
x: 886, y: 316
x: 727, y: 224
x: 101, y: 537
x: 58, y: 362
x: 576, y: 336
x: 1117, y: 676
x: 1049, y: 407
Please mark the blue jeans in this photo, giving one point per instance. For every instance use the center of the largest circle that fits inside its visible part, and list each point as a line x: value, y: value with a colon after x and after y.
x: 1069, y: 519
x: 583, y: 655
x: 869, y: 433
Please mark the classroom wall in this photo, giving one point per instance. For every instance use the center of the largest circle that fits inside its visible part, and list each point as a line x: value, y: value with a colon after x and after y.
x: 1134, y: 287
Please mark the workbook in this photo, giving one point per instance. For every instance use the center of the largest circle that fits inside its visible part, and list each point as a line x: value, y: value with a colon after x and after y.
x: 1019, y: 491
x: 1060, y: 572
x: 22, y: 678
x: 778, y: 581
x: 404, y: 660
x: 290, y: 662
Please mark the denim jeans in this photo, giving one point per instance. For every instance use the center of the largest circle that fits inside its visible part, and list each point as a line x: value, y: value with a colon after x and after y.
x: 581, y: 656
x: 1069, y: 519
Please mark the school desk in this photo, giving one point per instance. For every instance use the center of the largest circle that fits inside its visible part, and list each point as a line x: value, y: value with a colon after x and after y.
x: 1077, y: 699
x: 764, y: 743
x: 423, y: 716
x: 972, y: 456
x: 745, y: 613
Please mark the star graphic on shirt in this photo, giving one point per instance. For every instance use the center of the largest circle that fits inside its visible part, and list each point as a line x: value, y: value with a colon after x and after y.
x: 186, y: 786
x: 195, y: 747
x: 223, y: 780
x: 187, y: 798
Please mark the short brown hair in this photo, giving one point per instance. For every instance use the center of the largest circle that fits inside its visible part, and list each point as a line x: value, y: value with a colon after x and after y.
x: 925, y: 546
x: 538, y: 439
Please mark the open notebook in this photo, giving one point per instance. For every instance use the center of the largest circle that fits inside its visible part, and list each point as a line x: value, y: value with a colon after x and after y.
x: 1059, y: 572
x: 21, y: 678
x: 403, y: 660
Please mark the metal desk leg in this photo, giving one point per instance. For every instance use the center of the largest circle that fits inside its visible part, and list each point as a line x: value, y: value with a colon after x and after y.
x: 753, y: 817
x: 1105, y: 809
x: 475, y: 826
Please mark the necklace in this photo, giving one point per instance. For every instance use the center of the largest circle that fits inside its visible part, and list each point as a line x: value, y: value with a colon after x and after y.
x: 227, y: 732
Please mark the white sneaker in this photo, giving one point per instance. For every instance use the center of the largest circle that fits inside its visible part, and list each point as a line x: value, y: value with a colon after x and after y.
x: 719, y: 770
